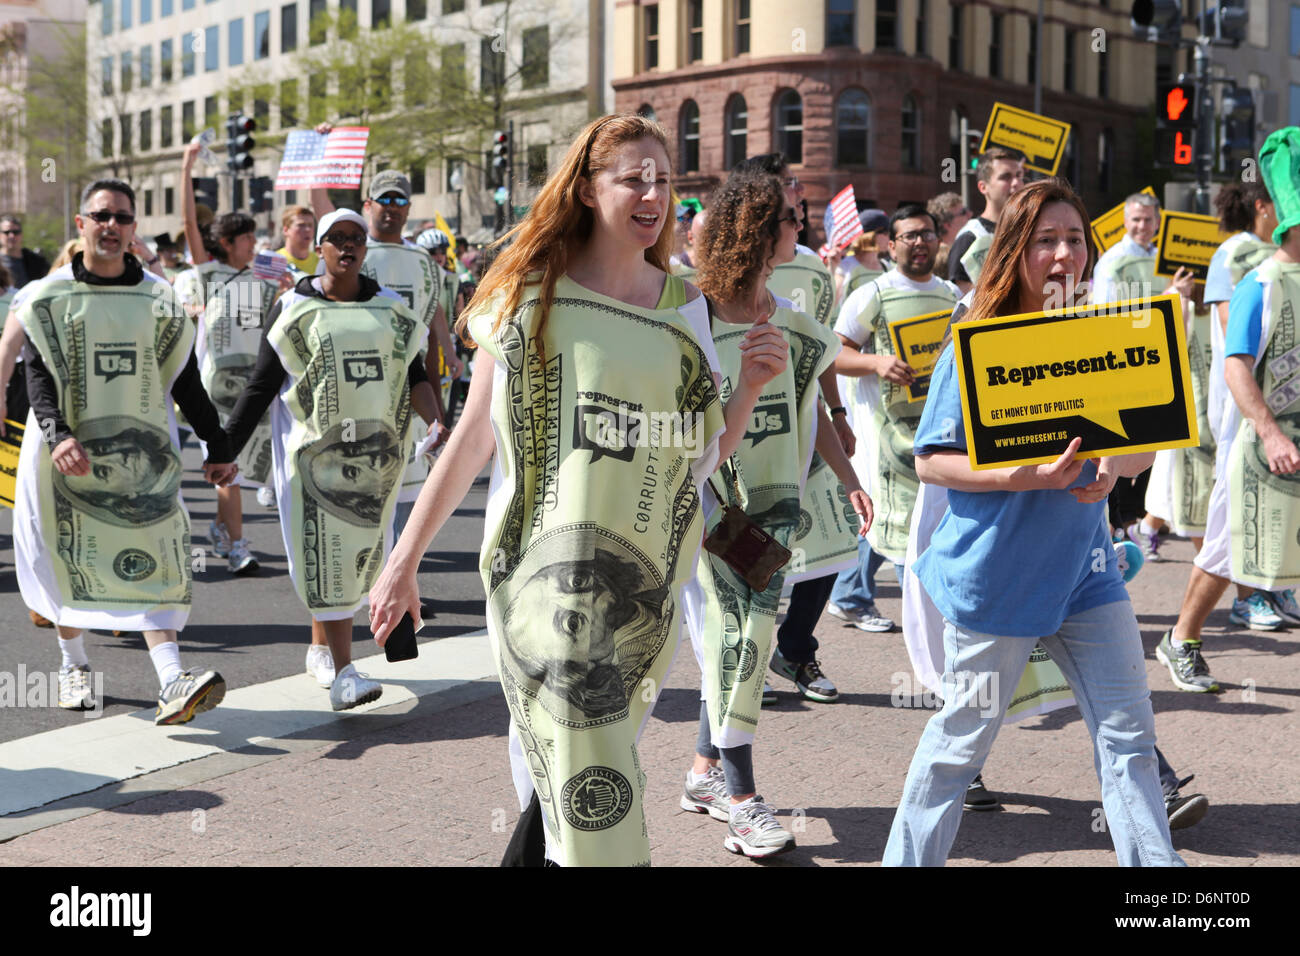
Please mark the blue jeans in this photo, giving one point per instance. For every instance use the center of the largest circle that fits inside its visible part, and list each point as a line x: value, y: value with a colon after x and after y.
x: 854, y: 588
x: 1100, y: 653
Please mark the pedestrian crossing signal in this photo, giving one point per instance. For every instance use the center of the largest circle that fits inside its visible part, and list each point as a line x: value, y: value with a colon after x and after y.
x: 1176, y: 106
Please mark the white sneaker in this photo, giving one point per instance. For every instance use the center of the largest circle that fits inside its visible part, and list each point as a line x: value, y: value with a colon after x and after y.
x: 754, y: 831
x: 352, y: 689
x: 320, y: 664
x: 868, y: 619
x: 219, y: 537
x: 266, y: 496
x: 241, y: 559
x: 74, y: 688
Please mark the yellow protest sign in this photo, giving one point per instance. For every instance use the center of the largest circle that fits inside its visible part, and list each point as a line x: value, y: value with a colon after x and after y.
x: 1115, y: 375
x: 1040, y: 138
x: 1187, y: 240
x: 10, y: 442
x: 1109, y: 226
x: 918, y: 342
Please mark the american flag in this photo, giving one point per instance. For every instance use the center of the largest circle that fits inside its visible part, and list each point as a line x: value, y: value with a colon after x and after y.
x: 270, y: 265
x: 841, y: 222
x: 332, y: 160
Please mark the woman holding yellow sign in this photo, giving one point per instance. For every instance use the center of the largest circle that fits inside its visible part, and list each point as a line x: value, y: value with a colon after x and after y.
x: 1024, y: 553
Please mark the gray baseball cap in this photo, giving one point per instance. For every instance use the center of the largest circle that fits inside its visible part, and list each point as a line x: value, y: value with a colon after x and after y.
x: 388, y: 181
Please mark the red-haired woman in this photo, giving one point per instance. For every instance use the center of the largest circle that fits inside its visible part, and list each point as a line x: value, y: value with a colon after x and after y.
x: 598, y: 394
x: 1013, y: 560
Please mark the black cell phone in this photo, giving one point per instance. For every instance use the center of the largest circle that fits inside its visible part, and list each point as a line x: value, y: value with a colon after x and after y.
x: 401, y: 645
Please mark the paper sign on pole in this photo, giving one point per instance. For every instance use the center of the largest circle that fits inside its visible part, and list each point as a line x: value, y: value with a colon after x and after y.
x: 1187, y: 240
x: 1115, y: 375
x: 1108, y: 228
x: 1040, y: 138
x: 917, y: 342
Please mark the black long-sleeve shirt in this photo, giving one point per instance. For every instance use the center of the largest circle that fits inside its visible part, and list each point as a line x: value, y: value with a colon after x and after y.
x: 187, y: 390
x: 269, y: 374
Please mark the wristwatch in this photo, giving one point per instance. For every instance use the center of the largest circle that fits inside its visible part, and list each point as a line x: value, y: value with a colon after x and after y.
x: 839, y: 410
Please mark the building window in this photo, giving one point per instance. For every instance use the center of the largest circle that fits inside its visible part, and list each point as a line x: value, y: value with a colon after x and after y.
x: 187, y: 55
x: 164, y: 8
x: 417, y: 80
x: 348, y: 19
x: 106, y: 75
x: 534, y: 71
x: 911, y: 133
x: 315, y: 22
x: 1105, y: 159
x: 1103, y: 75
x: 886, y: 24
x: 789, y: 126
x: 146, y: 130
x: 235, y: 41
x: 381, y: 14
x: 694, y: 31
x: 742, y: 26
x: 453, y: 6
x: 1033, y: 49
x: 852, y: 125
x: 416, y: 9
x: 288, y: 27
x: 451, y: 67
x: 261, y: 35
x: 146, y: 65
x: 1068, y: 63
x: 956, y: 16
x: 651, y: 36
x: 1293, y: 105
x: 124, y: 121
x: 146, y: 11
x: 537, y: 170
x: 127, y: 74
x: 187, y: 121
x: 1071, y: 162
x: 187, y: 4
x: 165, y: 61
x: 954, y: 133
x: 262, y: 106
x: 839, y: 23
x: 737, y: 120
x: 1294, y: 45
x: 106, y: 19
x: 317, y: 90
x: 212, y: 112
x: 690, y: 137
x: 148, y: 199
x: 211, y: 48
x: 418, y: 184
x: 492, y: 65
x: 288, y: 104
x: 126, y: 17
x: 106, y: 138
x: 922, y: 28
x: 166, y: 124
x: 995, y: 45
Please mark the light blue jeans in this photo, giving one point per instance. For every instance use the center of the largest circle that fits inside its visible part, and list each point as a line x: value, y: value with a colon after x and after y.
x: 855, y: 587
x: 1100, y: 653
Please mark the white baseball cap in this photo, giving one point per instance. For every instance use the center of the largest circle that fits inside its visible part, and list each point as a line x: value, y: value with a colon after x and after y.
x: 339, y: 215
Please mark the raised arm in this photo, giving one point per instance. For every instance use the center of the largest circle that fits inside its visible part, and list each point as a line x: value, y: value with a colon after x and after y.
x: 189, y: 212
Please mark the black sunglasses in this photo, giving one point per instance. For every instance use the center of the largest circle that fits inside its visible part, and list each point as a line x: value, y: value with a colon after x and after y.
x: 104, y: 215
x: 11, y: 232
x: 339, y: 240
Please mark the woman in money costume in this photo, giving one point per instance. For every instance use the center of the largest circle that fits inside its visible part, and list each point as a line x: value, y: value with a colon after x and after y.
x: 339, y: 367
x: 752, y: 227
x: 1014, y: 558
x: 597, y: 389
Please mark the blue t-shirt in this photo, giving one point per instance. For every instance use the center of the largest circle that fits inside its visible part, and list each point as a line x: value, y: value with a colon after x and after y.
x: 1245, y: 317
x: 1012, y: 563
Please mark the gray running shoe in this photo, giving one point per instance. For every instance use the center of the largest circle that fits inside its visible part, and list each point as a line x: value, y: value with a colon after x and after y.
x: 219, y: 536
x: 241, y: 560
x: 188, y: 695
x: 1284, y: 605
x: 1186, y: 666
x: 752, y: 829
x: 708, y: 796
x: 868, y: 619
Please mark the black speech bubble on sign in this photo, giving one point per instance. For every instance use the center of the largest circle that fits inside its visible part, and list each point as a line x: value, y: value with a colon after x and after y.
x: 1165, y: 424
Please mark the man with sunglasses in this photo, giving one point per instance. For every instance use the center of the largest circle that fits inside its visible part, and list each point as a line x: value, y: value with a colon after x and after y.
x: 24, y: 265
x: 101, y: 538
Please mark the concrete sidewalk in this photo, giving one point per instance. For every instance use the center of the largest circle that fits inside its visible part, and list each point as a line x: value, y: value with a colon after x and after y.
x: 427, y: 781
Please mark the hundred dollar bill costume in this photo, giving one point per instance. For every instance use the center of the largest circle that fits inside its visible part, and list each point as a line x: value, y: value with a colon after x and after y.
x: 408, y: 271
x: 883, y: 419
x: 971, y: 243
x: 228, y: 337
x: 731, y: 625
x: 104, y: 359
x: 807, y: 283
x: 337, y: 378
x: 606, y: 426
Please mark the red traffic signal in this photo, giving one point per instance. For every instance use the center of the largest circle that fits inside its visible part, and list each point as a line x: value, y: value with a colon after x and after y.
x: 1176, y: 106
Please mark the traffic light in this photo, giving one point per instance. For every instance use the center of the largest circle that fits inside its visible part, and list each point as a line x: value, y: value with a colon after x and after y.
x: 1237, y: 134
x: 1225, y: 24
x: 500, y: 155
x: 1175, y: 124
x: 239, y: 145
x: 1159, y: 21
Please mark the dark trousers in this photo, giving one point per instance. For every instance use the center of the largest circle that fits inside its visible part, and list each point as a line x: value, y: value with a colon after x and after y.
x: 794, y: 638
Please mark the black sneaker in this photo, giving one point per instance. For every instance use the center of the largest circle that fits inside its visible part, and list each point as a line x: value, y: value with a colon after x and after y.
x: 1183, y: 811
x: 978, y: 797
x: 808, y: 677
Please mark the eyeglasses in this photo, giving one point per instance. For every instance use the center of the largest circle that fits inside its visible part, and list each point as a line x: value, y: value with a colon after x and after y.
x: 102, y: 216
x: 911, y: 238
x: 392, y: 201
x: 790, y: 182
x: 340, y: 239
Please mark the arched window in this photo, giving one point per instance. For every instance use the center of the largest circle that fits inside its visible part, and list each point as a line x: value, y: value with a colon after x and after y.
x: 789, y: 126
x: 647, y: 111
x: 690, y: 133
x: 1105, y: 158
x: 852, y: 126
x: 911, y: 128
x: 737, y: 130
